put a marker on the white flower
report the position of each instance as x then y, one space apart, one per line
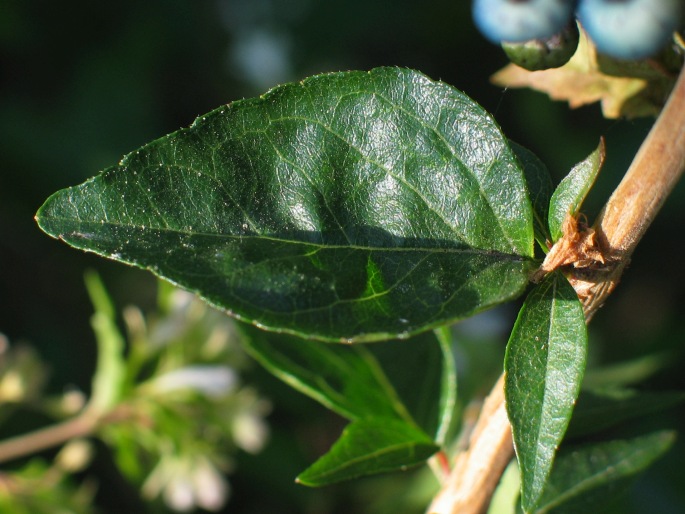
250 431
211 490
178 494
210 380
186 483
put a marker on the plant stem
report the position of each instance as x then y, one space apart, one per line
651 177
44 438
470 485
630 210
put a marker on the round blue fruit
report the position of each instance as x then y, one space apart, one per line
515 21
630 29
543 54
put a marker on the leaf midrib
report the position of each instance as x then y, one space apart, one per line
452 228
375 454
318 246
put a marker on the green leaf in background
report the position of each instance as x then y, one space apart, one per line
345 379
422 371
630 372
572 190
350 206
586 477
110 372
506 498
544 366
370 446
602 409
39 487
540 190
448 385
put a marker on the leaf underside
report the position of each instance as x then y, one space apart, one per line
345 379
351 206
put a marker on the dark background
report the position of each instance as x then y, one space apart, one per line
82 83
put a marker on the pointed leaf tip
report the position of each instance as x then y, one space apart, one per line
350 206
544 366
370 446
569 195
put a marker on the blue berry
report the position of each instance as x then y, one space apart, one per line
630 29
515 21
543 54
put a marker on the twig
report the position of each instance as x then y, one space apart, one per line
653 174
86 423
44 438
626 216
470 486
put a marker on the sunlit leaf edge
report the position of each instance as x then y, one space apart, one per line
550 313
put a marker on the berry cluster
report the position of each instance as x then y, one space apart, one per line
624 29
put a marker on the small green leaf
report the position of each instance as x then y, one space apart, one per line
586 477
370 446
602 409
110 371
544 366
350 206
448 384
540 190
346 379
572 190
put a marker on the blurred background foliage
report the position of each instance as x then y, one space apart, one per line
82 83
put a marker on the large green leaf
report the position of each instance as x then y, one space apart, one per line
345 379
370 446
349 206
586 477
544 366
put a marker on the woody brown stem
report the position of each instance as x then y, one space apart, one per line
630 210
85 424
48 437
650 179
654 172
476 471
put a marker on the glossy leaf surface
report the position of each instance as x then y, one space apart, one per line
586 477
369 446
540 190
572 190
544 366
350 206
